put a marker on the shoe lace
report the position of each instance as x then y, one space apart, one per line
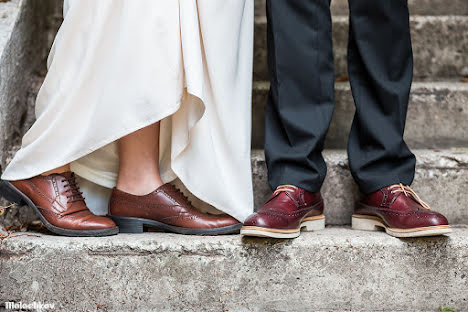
285 188
408 191
186 199
73 190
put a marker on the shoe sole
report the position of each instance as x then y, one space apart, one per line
15 196
310 224
138 225
370 223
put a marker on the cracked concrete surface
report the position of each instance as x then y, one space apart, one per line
332 270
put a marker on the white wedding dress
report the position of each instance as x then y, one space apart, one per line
117 66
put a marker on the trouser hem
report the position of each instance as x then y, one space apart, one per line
370 187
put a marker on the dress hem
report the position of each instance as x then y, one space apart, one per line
71 159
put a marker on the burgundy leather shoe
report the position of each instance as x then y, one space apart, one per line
400 211
58 202
288 210
169 210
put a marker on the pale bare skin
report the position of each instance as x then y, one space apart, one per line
138 162
58 170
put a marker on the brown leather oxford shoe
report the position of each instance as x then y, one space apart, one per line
288 210
59 204
400 211
169 210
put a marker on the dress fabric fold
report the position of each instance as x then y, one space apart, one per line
117 66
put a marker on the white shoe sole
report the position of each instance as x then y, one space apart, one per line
370 223
310 224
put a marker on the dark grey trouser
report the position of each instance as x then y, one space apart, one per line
301 100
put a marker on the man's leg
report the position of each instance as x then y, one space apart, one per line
380 62
299 111
381 72
300 104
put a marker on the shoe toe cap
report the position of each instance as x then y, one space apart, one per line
257 219
100 223
226 220
435 219
425 219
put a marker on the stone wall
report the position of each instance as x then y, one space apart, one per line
22 62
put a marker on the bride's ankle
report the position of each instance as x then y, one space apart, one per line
138 185
59 170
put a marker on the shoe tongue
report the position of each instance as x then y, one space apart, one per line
393 196
284 196
282 202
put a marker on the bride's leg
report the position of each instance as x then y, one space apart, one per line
59 170
141 200
139 161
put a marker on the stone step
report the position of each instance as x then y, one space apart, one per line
440 46
437 115
441 180
417 7
337 269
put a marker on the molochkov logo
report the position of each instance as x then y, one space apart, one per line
36 306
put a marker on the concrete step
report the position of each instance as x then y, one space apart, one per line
440 46
441 180
437 115
417 7
337 269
